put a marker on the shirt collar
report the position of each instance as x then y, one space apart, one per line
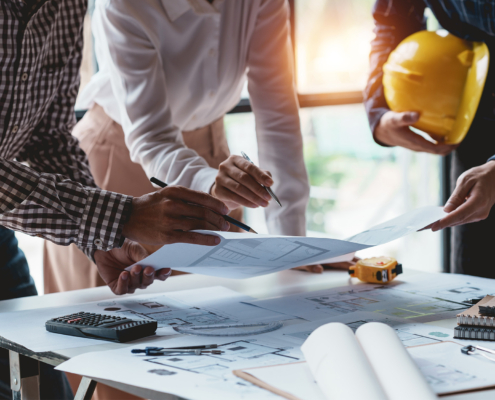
176 8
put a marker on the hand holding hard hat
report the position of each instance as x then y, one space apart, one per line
393 130
441 78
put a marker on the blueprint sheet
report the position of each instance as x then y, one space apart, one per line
443 365
210 376
383 299
208 306
245 255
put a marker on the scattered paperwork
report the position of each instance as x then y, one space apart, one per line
373 364
210 376
206 306
245 255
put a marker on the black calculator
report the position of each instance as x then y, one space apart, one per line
103 327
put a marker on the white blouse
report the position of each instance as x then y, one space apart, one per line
173 65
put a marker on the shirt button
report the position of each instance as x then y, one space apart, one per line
15 129
24 77
98 242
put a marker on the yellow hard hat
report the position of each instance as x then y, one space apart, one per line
441 77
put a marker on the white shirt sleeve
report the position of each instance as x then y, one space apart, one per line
273 97
139 83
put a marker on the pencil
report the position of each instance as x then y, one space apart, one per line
231 220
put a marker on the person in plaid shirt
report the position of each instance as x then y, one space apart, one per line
46 187
471 174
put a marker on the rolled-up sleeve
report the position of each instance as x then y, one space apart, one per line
394 21
273 97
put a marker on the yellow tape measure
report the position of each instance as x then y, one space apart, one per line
376 269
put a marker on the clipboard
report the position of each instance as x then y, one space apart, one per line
244 374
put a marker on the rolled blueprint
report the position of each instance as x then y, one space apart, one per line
399 376
339 365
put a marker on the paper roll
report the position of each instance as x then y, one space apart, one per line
339 365
397 373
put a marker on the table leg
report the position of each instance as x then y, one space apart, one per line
24 377
86 389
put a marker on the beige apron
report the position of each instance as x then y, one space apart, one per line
66 267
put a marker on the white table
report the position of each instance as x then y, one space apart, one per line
24 363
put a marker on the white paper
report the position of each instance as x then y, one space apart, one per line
192 377
400 226
339 364
397 373
383 299
246 255
209 306
447 370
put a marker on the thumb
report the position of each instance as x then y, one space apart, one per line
135 251
406 118
457 198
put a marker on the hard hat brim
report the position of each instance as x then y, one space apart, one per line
473 89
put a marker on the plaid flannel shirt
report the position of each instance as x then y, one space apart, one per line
397 19
55 196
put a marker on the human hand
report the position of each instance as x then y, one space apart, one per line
393 130
319 268
166 216
238 183
472 199
112 264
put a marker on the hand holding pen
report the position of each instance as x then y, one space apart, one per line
227 218
170 214
241 183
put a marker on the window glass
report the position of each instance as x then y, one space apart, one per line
332 44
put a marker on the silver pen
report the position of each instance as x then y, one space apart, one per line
270 192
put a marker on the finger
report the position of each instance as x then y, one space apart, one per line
403 119
122 283
229 195
255 193
415 142
339 265
148 277
195 197
243 192
316 269
258 174
202 214
460 216
195 238
135 280
458 196
163 274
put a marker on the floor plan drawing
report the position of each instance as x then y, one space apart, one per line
409 334
242 351
384 300
253 252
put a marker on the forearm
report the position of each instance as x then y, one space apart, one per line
60 210
394 21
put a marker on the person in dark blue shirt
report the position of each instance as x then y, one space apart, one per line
472 20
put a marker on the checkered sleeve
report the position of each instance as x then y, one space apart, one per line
57 198
56 208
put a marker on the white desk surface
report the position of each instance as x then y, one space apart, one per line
282 283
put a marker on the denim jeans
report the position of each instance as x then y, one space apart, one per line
15 282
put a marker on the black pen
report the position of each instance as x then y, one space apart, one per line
233 221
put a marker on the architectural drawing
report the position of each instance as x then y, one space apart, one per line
385 300
242 351
254 252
